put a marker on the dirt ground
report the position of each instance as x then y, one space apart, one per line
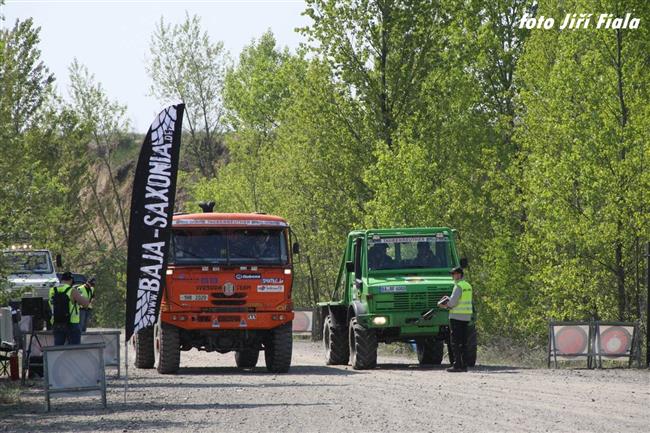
210 395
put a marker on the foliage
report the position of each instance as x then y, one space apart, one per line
186 66
532 143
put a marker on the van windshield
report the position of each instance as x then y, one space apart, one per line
27 262
232 246
410 252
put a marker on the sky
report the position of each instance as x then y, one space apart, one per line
111 37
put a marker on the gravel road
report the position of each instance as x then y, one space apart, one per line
210 395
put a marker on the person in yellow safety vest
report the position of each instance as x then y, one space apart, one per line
87 289
460 314
65 324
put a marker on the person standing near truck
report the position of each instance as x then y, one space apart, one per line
64 303
87 289
460 314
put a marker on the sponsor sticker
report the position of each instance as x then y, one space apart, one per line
242 324
193 297
252 316
208 280
248 276
228 289
215 323
403 240
270 288
272 280
392 289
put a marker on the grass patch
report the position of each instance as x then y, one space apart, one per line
507 352
9 393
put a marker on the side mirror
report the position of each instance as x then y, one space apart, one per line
464 262
296 248
349 266
59 261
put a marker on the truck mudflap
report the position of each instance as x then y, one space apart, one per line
230 320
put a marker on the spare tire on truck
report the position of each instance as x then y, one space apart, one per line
277 349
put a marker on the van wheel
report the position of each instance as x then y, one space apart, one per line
430 351
337 350
277 349
143 341
247 358
168 348
363 346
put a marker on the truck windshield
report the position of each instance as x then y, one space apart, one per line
27 262
411 252
214 246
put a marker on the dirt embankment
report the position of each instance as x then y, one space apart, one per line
209 394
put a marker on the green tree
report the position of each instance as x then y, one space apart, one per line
106 123
187 66
380 51
41 143
586 132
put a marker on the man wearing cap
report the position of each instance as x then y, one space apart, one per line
87 289
69 332
460 314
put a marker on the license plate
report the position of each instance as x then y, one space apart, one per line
193 297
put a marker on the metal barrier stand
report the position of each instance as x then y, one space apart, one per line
101 382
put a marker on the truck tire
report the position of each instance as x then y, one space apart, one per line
168 348
277 350
363 346
335 342
144 356
247 358
471 348
430 351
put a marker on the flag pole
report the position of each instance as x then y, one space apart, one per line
126 368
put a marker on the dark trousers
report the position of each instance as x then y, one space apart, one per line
459 341
84 318
70 334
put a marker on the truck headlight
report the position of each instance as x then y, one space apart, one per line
379 320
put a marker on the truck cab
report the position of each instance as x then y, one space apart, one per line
228 288
388 287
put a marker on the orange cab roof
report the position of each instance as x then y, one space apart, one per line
215 219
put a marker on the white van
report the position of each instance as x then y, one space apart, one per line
31 270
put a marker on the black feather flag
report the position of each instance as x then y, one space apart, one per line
152 208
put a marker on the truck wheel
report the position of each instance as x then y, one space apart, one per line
472 344
363 346
168 348
247 358
144 356
277 350
430 351
337 350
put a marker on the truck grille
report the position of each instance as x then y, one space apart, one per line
418 301
238 298
228 310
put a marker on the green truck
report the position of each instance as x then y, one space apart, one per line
387 290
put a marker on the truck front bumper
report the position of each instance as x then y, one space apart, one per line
239 320
407 324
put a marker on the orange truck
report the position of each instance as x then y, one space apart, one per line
228 288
